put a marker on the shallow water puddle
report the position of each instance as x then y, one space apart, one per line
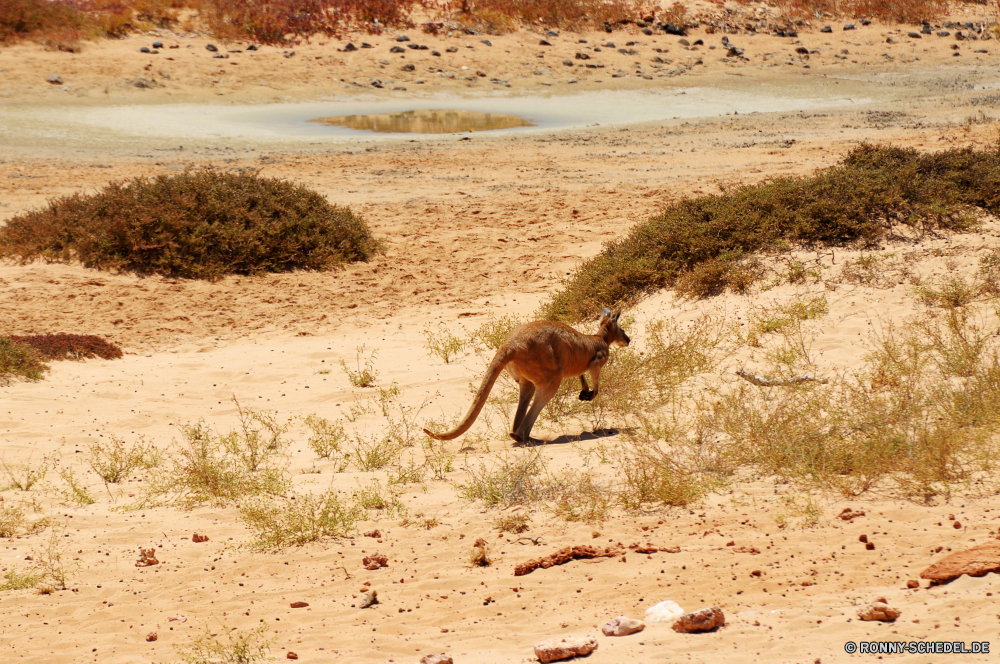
427 121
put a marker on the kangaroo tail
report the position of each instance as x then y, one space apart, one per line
500 361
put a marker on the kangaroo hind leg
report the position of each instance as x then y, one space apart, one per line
543 395
527 391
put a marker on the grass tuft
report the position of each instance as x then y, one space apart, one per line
202 225
19 361
702 245
299 520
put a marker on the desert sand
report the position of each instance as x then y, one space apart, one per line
476 226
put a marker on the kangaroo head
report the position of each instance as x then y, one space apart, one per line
610 330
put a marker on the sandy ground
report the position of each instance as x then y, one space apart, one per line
474 228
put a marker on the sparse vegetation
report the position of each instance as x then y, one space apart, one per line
696 244
219 469
76 492
114 461
442 343
24 478
491 334
237 646
480 556
19 361
71 346
300 519
364 376
509 479
951 292
14 520
384 500
328 440
201 225
512 522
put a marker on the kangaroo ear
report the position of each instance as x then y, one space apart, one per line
615 316
605 312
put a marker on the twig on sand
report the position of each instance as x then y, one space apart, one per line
779 382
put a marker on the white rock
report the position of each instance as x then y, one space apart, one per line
667 611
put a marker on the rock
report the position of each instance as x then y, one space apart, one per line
565 555
914 35
451 49
647 31
147 558
879 611
436 53
437 658
865 21
912 583
826 28
157 44
144 49
199 538
55 79
485 41
672 29
565 648
369 598
582 56
251 47
957 525
151 637
622 626
944 33
684 42
480 73
850 26
291 655
568 62
977 561
299 605
544 43
700 621
402 38
666 611
211 47
870 546
397 49
177 619
805 51
409 68
890 40
350 48
863 538
551 33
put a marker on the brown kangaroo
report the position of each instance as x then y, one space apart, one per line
538 356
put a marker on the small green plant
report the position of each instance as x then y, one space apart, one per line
580 497
300 519
409 473
373 453
114 461
515 521
25 477
491 334
364 376
507 480
805 510
437 459
52 563
384 500
328 440
215 468
75 492
443 343
951 292
14 520
237 646
15 580
19 361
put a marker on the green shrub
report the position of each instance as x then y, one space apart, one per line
200 225
304 518
701 244
19 360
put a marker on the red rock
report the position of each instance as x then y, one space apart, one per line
199 538
957 525
848 514
870 546
977 561
879 611
565 648
437 658
622 626
151 636
291 655
147 558
752 550
374 533
564 556
912 583
375 561
703 620
863 538
299 605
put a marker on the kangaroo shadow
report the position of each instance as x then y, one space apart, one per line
574 438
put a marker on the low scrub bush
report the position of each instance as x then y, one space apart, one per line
895 11
238 646
201 225
20 361
71 346
219 469
41 20
362 376
702 243
499 16
298 520
328 440
506 481
114 461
